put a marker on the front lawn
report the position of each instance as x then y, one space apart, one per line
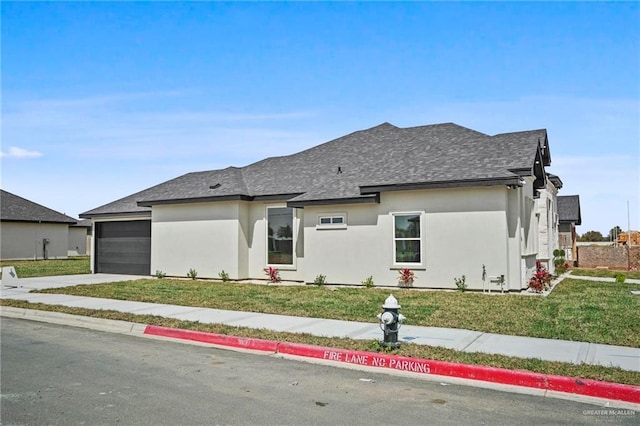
576 310
50 267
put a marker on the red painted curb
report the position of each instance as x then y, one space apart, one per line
586 387
216 339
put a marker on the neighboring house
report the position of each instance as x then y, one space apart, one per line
31 231
80 238
569 218
442 200
626 236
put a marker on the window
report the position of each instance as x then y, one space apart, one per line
332 221
407 238
280 236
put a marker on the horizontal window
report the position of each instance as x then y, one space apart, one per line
332 221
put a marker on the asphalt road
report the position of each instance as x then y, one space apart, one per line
63 375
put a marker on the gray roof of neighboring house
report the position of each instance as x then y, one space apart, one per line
83 223
17 209
569 209
356 167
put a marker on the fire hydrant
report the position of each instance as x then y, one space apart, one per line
390 322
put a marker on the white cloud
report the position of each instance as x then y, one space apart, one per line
15 152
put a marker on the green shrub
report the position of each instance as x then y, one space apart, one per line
193 274
620 278
320 280
368 283
461 283
559 262
160 274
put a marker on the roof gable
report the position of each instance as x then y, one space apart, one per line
17 209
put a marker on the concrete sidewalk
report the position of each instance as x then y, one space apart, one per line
462 340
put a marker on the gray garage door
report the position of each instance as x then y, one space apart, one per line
123 247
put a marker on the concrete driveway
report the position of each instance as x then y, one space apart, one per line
38 283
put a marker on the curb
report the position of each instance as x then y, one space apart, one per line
539 381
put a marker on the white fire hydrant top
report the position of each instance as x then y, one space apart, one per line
391 303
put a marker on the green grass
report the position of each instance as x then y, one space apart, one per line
604 273
577 310
47 268
585 371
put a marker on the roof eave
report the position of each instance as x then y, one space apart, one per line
515 180
59 222
114 214
235 197
372 198
276 197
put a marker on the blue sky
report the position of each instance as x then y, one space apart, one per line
101 100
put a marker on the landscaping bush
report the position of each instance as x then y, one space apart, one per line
406 278
461 283
320 280
193 274
368 283
273 273
541 280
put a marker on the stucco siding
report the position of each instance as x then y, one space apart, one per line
23 240
244 240
78 240
202 236
547 223
257 255
348 255
513 277
462 230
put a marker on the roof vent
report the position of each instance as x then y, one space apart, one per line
216 186
339 170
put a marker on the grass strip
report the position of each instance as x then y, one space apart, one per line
609 374
49 267
604 273
577 310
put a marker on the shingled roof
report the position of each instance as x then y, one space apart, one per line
358 166
569 209
17 209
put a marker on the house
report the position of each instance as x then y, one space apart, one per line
626 236
569 218
442 200
80 238
31 231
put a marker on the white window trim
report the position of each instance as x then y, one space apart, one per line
294 229
411 265
332 216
